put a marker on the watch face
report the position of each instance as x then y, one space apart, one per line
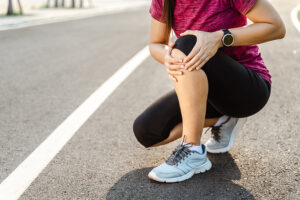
228 39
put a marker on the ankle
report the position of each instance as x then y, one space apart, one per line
196 147
192 140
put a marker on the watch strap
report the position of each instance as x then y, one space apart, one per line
226 31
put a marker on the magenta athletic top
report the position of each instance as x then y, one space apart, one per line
213 15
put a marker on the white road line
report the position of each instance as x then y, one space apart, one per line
21 178
77 16
294 17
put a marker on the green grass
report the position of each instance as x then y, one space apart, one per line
14 14
45 6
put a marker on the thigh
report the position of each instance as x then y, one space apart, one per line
234 89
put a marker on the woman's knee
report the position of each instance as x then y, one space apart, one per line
140 132
185 43
183 46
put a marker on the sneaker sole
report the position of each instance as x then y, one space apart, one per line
203 168
236 129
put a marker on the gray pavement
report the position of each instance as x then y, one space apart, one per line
47 71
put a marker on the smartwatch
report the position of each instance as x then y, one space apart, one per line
227 38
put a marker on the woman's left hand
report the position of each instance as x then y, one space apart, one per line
206 47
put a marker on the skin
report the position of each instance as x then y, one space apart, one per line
189 80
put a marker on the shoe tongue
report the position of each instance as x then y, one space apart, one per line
177 154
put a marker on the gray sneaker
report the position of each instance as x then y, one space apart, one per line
223 136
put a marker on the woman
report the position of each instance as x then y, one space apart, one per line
218 74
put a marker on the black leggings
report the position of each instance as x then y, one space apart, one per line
234 90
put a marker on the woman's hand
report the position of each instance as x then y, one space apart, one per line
206 47
173 65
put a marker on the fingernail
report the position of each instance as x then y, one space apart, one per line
190 69
182 66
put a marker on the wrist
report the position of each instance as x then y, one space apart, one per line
219 35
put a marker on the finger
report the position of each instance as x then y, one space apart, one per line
195 59
199 56
204 57
173 60
195 66
170 58
173 78
174 72
191 54
203 63
188 32
201 60
175 67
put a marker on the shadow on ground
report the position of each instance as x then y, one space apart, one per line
214 184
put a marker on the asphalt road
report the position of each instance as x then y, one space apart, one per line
48 71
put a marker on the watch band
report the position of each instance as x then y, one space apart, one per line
227 33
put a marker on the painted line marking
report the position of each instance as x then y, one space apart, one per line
294 17
21 178
77 16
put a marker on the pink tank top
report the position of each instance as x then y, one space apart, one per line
213 15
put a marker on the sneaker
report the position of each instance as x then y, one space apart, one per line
223 136
182 164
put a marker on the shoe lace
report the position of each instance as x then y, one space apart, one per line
216 130
179 153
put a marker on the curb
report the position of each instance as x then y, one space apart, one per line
41 21
294 17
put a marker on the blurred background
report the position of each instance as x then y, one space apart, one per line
83 66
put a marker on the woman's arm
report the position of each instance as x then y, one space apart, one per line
267 25
159 39
161 51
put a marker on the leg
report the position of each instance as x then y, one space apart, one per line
156 125
192 104
192 91
187 160
222 69
176 132
160 122
230 84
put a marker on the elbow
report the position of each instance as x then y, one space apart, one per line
281 30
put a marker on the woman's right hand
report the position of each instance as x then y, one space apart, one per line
173 65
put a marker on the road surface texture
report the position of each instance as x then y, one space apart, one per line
48 71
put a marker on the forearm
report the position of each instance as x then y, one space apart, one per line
255 33
158 51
